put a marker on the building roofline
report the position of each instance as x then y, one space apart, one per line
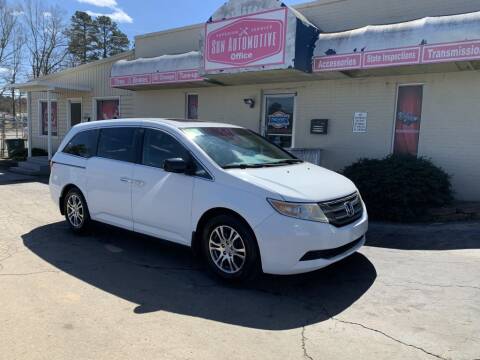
169 31
88 65
200 25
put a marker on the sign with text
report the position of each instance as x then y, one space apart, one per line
319 126
422 54
158 78
360 122
469 50
338 62
395 57
252 40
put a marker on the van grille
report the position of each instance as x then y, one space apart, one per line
344 211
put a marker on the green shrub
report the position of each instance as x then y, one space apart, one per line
39 152
400 188
22 154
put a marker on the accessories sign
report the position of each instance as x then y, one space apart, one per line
252 40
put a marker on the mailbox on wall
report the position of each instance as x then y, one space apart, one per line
319 126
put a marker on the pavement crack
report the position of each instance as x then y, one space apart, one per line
304 339
31 273
389 337
346 322
433 285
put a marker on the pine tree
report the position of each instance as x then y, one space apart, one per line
110 39
82 38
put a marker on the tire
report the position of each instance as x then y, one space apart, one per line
76 211
230 249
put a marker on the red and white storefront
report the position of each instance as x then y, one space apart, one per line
331 97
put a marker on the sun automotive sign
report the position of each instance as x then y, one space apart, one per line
247 41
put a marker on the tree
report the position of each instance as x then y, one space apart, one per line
82 38
15 64
110 39
8 22
46 37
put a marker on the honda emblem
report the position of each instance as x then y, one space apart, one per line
349 208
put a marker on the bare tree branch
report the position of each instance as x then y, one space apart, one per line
47 43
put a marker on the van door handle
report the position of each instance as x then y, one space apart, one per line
139 183
126 180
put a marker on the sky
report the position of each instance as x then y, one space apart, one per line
137 17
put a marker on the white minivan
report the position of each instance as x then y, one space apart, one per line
243 203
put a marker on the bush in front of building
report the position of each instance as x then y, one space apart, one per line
400 187
22 154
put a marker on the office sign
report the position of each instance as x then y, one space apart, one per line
247 41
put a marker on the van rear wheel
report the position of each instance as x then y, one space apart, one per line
76 211
230 248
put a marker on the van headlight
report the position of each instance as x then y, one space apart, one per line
310 212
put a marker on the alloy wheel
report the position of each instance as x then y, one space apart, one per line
75 211
227 249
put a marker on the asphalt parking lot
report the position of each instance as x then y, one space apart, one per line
412 293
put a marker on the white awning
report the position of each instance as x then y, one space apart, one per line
426 41
161 70
43 85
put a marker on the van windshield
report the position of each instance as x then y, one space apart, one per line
240 148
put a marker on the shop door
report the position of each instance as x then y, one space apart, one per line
279 117
75 113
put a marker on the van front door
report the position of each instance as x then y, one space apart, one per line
279 117
162 201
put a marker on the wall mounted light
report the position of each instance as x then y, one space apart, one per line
250 102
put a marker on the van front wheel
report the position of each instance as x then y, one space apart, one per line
230 248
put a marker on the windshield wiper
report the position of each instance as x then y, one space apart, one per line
285 162
262 165
244 166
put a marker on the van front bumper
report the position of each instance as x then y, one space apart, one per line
292 246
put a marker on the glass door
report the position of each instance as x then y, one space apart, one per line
408 119
279 118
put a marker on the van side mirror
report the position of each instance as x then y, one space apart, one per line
175 165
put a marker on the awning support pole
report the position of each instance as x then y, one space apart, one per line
29 123
49 126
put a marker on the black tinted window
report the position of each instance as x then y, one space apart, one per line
83 144
159 146
117 144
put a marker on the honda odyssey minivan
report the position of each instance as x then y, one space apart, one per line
240 201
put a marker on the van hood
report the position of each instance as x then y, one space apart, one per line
298 183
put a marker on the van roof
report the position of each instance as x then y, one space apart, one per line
170 122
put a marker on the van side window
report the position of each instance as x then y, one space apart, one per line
118 144
159 146
83 144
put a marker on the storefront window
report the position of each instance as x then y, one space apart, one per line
108 109
279 119
408 119
44 114
192 106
